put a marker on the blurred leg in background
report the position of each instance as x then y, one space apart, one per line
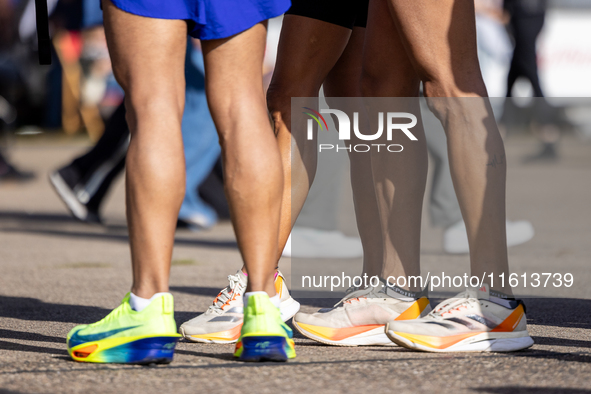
526 23
11 89
83 184
201 144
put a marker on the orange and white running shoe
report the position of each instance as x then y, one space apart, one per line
222 321
359 318
472 321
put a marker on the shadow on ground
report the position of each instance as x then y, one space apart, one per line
49 224
543 312
24 308
555 312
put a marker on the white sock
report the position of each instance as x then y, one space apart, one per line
139 303
275 299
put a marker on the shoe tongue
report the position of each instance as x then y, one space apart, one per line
225 294
475 293
402 294
356 293
480 293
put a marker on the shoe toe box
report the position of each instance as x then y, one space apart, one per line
321 320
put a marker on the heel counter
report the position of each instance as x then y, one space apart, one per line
261 315
522 325
281 287
169 324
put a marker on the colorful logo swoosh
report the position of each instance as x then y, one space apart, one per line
318 115
77 339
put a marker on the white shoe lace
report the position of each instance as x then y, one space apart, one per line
225 294
354 292
463 299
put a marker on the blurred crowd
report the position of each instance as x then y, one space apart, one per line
78 90
76 93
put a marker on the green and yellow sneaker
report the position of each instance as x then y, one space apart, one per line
264 335
127 336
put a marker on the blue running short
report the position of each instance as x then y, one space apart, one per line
208 19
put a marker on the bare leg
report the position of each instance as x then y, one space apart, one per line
344 80
293 77
399 177
440 39
252 165
149 59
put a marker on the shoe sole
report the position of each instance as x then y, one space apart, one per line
265 348
372 337
134 350
482 342
288 310
77 209
214 337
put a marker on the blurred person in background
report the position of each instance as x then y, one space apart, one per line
80 45
525 24
83 184
13 89
81 91
494 45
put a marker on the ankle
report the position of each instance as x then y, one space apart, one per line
267 286
148 291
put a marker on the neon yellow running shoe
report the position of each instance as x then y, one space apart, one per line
127 336
264 335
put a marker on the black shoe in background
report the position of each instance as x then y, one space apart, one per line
64 182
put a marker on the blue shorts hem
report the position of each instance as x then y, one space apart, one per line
209 21
235 30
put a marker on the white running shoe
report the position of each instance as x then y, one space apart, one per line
222 321
307 242
359 318
469 322
455 238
